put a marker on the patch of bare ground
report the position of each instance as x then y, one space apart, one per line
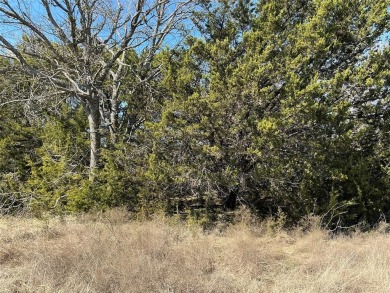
112 254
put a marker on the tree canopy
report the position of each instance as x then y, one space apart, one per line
279 106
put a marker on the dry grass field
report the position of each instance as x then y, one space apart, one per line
111 254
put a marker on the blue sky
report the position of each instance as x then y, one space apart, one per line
13 33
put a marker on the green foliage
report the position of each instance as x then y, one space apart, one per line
60 165
285 117
281 106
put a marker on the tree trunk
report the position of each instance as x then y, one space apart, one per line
94 128
113 121
114 103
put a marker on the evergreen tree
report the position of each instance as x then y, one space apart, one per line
290 115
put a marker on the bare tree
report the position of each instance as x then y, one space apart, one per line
78 48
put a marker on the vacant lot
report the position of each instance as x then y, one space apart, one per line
111 254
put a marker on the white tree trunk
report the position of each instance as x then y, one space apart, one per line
94 132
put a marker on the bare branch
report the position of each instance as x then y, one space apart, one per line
11 48
61 33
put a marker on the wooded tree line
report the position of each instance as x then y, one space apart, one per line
196 107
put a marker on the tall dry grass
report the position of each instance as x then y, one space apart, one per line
112 254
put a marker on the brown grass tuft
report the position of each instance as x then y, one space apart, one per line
109 253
